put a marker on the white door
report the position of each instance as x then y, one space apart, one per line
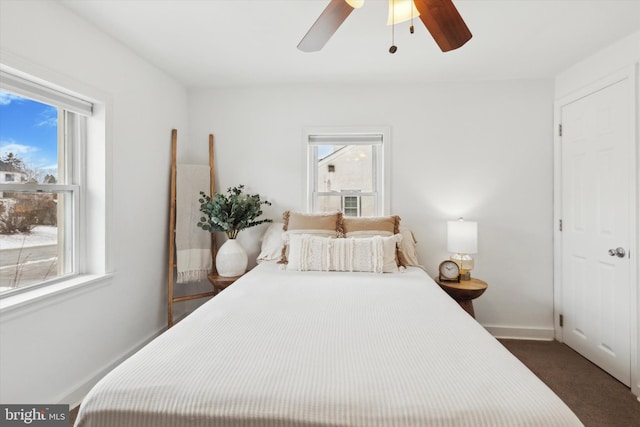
597 180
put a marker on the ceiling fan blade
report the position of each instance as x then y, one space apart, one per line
327 23
444 23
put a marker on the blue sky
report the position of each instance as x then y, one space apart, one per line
29 129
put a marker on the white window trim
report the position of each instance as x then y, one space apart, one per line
383 185
95 223
44 293
29 88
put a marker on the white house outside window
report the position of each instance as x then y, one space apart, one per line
347 170
43 133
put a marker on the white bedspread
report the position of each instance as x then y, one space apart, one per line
285 348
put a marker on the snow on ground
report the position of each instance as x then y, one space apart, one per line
41 235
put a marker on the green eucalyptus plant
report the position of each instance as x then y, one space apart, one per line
232 212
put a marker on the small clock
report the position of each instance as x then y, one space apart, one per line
449 271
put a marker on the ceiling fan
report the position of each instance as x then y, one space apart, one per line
440 17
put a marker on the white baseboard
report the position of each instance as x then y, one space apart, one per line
539 334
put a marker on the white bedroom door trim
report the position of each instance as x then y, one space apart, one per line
631 75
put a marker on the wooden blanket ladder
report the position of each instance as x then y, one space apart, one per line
172 231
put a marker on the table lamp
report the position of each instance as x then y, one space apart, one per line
462 240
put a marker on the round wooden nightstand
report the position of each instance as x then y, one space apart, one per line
220 283
464 292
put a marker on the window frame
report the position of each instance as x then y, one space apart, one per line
73 114
352 135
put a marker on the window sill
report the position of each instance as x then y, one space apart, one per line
47 293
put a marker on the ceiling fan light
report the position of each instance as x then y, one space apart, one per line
400 11
356 4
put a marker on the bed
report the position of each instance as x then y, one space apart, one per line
316 348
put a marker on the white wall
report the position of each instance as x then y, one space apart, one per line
51 351
480 150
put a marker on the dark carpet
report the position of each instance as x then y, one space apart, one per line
595 397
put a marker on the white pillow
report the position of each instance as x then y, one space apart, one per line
272 243
304 249
376 254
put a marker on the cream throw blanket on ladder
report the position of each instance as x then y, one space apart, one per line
193 244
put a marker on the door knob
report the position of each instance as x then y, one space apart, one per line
619 252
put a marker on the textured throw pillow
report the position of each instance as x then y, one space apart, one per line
318 224
272 243
375 254
307 252
371 226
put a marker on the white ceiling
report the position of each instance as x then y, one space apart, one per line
213 43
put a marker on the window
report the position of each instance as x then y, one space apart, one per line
43 137
351 205
346 170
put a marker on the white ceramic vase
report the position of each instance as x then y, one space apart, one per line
231 259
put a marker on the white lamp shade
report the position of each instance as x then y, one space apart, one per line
400 11
356 4
462 237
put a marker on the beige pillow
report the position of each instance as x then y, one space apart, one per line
371 226
327 224
375 254
407 249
